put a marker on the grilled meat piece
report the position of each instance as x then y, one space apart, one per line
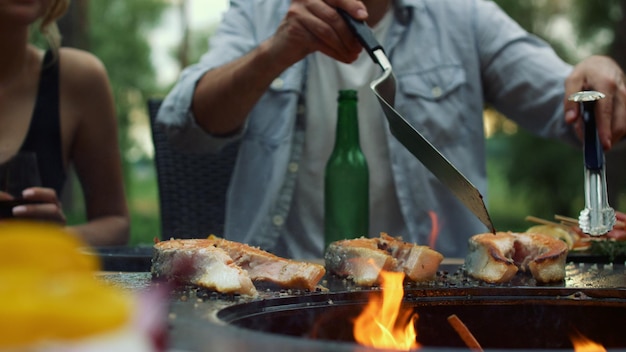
359 260
263 266
497 258
419 263
230 267
199 262
362 259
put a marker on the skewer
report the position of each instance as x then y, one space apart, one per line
464 333
544 222
573 222
566 220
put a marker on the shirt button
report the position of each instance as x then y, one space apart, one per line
436 92
278 83
293 167
278 220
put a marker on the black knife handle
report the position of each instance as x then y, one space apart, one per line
593 148
363 33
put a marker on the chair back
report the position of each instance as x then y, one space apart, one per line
192 187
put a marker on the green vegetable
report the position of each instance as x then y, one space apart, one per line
608 248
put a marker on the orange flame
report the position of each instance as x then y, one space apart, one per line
383 323
434 232
583 344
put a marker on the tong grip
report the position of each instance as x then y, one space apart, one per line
593 149
364 34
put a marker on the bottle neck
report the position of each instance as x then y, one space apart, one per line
347 135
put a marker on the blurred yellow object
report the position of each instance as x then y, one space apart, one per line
49 290
554 231
44 246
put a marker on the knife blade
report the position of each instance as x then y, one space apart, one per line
384 88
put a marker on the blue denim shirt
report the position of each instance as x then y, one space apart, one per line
450 58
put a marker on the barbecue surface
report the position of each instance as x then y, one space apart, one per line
199 318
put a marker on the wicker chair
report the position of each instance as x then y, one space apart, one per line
192 187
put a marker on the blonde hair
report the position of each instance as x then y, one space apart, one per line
48 26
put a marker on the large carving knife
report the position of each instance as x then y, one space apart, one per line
385 89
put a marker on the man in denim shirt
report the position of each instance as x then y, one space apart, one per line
271 79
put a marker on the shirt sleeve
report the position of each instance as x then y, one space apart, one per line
233 38
523 76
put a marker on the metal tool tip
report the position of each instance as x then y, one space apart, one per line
586 95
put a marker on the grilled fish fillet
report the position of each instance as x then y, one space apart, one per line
362 259
219 264
198 262
263 266
497 258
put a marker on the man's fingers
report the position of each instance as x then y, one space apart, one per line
333 35
604 75
619 126
573 84
619 111
354 8
604 117
315 25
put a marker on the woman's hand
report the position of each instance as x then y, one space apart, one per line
45 205
5 196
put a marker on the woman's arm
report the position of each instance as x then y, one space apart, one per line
93 149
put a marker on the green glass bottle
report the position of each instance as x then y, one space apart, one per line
346 179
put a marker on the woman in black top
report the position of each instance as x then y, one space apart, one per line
58 103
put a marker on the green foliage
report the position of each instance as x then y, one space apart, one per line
610 249
593 16
552 183
118 36
199 43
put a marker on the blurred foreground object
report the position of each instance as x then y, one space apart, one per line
52 300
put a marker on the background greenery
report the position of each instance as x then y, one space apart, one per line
527 175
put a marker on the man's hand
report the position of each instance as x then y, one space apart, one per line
602 74
224 96
315 25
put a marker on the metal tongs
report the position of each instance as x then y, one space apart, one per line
384 88
597 218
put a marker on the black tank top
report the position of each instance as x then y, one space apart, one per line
44 133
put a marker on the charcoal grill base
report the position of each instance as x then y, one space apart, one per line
498 322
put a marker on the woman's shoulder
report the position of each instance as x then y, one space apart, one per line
79 67
82 72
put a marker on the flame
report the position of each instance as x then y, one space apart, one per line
434 232
583 344
383 323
